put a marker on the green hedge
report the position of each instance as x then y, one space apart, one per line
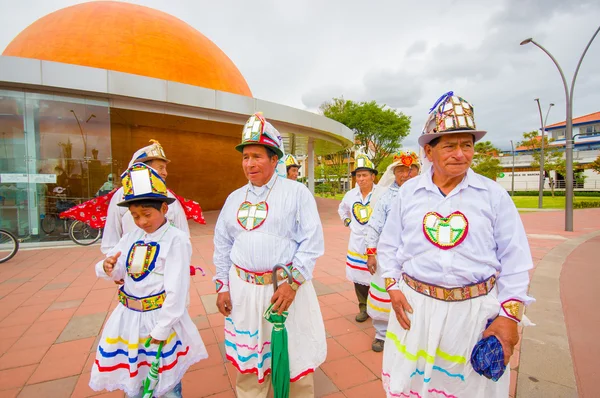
586 205
557 193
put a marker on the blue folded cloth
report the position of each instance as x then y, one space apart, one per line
487 357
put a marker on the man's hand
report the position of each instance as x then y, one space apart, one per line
372 264
283 298
506 331
224 303
120 282
109 263
401 307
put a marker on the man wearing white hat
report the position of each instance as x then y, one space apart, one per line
355 211
119 220
456 259
405 165
269 221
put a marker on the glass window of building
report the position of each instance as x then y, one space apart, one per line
55 154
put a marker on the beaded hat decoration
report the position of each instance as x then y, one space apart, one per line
363 163
257 131
406 158
148 153
450 114
290 161
142 182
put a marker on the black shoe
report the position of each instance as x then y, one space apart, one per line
362 316
377 345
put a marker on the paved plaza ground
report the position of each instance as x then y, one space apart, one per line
52 308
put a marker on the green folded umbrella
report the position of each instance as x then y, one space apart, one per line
280 359
152 378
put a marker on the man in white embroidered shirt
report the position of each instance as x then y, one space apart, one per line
456 259
270 221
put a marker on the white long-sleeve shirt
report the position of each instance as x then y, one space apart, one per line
380 214
171 273
120 222
496 242
291 233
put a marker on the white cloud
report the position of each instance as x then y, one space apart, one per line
404 54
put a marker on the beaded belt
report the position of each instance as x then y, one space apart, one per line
451 294
259 278
143 304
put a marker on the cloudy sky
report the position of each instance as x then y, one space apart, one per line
401 53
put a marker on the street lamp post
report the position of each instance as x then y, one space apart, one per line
569 127
512 182
542 156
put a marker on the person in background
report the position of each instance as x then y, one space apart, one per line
355 211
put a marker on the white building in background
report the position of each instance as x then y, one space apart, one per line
586 149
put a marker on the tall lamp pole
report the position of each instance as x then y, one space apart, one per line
542 156
569 127
512 182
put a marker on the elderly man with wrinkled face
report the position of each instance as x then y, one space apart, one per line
455 258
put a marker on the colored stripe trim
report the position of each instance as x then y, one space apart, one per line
380 309
422 353
249 357
379 299
356 267
116 340
266 372
355 260
439 369
411 392
124 365
241 331
359 255
379 289
151 354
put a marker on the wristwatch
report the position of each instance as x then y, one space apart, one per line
294 286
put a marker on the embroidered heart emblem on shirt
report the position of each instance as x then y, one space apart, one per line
361 212
251 216
445 232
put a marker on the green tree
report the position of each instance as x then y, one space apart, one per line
377 128
596 165
553 157
332 175
485 161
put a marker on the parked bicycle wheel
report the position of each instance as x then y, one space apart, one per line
9 245
83 234
48 223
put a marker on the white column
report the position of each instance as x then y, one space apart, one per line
310 172
31 161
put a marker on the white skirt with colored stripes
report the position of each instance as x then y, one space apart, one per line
356 266
432 359
248 334
122 360
378 302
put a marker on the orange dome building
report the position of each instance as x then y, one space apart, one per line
83 88
132 39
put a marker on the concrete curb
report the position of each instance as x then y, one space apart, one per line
546 366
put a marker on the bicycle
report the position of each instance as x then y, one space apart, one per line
9 245
83 234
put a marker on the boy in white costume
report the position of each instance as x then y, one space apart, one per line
153 261
271 220
355 211
405 166
456 259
